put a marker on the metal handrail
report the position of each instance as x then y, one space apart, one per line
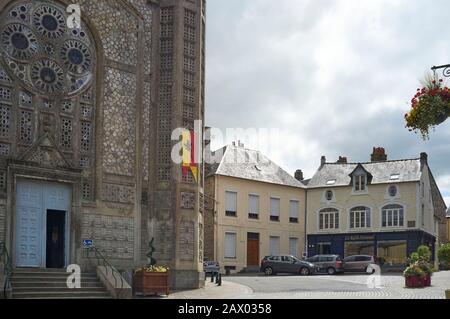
102 261
8 268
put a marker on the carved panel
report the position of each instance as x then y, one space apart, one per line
186 240
113 236
187 200
118 193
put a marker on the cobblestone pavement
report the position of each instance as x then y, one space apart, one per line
317 287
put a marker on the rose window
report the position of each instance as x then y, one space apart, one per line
43 53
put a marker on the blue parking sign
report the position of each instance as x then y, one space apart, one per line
87 243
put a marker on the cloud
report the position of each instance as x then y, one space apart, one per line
334 77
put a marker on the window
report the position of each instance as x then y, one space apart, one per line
274 209
230 245
393 216
331 182
293 246
231 204
393 252
324 249
328 219
329 195
360 182
253 206
395 177
294 207
360 217
274 245
392 191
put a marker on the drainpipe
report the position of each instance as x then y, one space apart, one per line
306 222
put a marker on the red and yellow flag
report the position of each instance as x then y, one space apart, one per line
189 154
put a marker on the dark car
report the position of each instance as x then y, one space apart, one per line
211 267
329 264
271 265
358 263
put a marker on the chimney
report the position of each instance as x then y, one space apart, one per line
234 143
378 155
423 160
323 161
342 160
299 175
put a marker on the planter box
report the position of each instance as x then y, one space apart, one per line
427 281
414 282
151 283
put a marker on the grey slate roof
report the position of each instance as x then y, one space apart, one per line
244 163
409 171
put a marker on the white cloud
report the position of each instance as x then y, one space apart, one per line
335 76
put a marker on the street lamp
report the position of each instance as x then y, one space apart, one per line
446 69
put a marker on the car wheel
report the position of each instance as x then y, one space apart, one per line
331 271
268 271
304 271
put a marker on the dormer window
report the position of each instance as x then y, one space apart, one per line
395 177
360 183
360 179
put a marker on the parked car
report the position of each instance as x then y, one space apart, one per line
271 265
211 267
330 264
359 263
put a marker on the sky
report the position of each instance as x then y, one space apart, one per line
329 77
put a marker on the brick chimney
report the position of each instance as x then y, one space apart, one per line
342 160
323 161
379 155
299 175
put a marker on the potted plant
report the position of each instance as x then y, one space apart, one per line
152 279
429 107
414 276
420 270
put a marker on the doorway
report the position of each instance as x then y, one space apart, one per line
56 239
252 249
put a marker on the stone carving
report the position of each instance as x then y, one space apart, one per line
119 123
163 199
187 200
186 241
113 235
45 152
118 193
164 232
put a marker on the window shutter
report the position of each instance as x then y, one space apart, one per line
230 245
253 204
293 246
274 246
275 207
231 202
294 207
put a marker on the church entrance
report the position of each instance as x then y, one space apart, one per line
42 224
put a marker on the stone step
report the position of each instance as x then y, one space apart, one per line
50 274
46 270
60 289
84 284
15 279
61 294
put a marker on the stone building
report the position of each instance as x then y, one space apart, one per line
253 209
386 208
86 115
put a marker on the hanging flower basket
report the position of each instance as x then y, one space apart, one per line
429 107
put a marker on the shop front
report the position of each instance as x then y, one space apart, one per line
392 249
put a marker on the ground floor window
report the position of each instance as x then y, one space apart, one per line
274 245
393 252
359 248
324 248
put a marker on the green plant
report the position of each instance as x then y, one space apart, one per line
429 107
424 253
414 270
444 255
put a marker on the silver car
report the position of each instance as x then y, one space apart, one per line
358 263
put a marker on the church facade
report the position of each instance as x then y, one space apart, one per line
87 110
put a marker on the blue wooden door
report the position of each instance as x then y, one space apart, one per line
29 208
34 198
